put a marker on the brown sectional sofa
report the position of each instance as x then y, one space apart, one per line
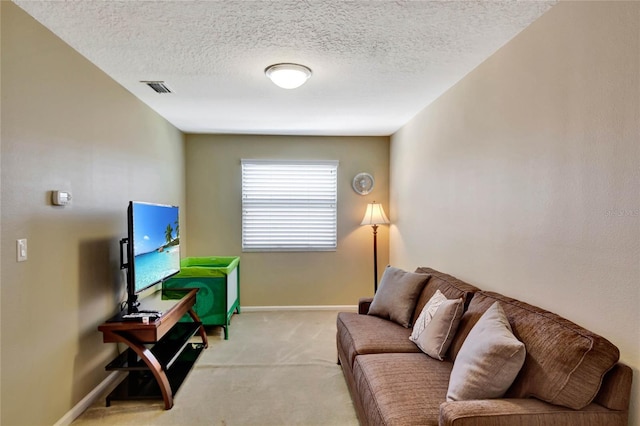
570 376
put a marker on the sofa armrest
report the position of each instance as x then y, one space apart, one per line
525 412
615 391
363 305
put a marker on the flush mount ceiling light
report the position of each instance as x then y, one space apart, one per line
288 76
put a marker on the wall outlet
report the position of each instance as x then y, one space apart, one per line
21 248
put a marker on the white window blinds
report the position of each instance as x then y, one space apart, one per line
289 205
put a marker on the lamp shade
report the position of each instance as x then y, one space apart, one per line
374 215
288 76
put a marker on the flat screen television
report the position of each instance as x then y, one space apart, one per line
153 249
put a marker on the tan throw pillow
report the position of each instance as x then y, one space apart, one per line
489 359
437 335
397 295
427 314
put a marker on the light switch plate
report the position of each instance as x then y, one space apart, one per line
21 248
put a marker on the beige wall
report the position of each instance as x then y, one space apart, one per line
278 279
66 125
524 177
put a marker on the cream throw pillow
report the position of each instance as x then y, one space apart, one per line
427 314
437 335
489 359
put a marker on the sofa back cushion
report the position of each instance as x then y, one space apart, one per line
565 363
450 286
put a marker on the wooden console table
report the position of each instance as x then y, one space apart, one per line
160 354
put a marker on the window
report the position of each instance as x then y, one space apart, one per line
289 205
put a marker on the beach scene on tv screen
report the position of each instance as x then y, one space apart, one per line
156 248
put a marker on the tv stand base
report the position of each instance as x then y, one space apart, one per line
156 371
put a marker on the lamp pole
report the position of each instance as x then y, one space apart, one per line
375 258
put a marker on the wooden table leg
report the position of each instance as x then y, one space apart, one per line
201 330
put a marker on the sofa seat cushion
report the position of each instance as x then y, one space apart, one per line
401 389
367 334
565 363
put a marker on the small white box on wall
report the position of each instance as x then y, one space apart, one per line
61 198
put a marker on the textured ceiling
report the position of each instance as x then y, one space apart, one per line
375 63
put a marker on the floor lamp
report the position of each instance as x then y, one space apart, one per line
375 216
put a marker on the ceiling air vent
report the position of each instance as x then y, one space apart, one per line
158 86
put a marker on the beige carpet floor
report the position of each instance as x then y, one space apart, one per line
277 368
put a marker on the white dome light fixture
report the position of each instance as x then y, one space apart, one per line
288 76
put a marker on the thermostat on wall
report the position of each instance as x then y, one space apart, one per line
61 198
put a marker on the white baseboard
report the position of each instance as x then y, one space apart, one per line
110 382
347 308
